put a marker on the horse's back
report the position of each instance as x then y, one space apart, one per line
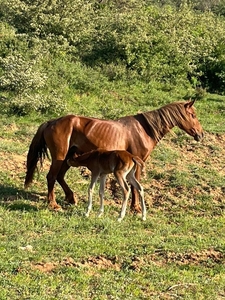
125 133
87 133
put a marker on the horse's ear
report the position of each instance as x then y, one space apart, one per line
189 103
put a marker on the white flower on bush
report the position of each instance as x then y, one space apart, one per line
20 75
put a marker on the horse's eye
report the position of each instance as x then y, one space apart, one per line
193 116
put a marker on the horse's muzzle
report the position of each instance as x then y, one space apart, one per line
199 136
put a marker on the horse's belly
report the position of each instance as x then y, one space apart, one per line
109 140
105 134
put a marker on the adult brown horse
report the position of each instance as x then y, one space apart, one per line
137 134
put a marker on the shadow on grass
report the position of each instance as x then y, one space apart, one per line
19 199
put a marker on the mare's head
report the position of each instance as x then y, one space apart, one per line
190 124
181 114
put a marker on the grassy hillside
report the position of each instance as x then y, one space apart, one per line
178 253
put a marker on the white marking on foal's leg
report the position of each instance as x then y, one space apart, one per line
87 213
123 210
101 194
143 207
140 189
90 193
89 207
126 193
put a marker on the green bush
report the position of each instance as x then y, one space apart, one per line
20 75
25 104
76 47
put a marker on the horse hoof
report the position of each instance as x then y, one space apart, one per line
55 207
72 200
136 209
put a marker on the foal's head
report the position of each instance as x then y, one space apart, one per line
81 160
72 161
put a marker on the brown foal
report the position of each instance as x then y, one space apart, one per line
120 162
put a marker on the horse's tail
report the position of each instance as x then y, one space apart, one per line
37 152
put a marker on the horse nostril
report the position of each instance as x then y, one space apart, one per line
198 137
201 135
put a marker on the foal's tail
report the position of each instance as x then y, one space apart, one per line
37 152
139 162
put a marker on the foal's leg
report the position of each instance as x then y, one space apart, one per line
101 193
135 204
94 178
121 178
133 181
69 195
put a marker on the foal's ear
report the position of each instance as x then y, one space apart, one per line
189 104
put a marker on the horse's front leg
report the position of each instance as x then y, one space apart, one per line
135 203
51 179
69 195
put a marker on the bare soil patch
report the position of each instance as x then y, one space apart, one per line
207 257
93 262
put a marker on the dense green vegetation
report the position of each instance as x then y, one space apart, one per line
55 54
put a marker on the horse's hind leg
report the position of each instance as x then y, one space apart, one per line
51 179
57 139
69 195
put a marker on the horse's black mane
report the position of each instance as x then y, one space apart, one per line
167 116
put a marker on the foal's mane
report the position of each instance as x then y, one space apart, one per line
165 118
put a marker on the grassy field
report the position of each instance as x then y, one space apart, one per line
178 253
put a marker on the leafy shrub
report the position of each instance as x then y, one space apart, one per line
25 104
19 75
85 47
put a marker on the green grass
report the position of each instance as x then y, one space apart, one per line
102 259
178 253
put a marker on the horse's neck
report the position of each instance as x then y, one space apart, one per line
157 126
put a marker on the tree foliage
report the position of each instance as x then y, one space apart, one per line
47 44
